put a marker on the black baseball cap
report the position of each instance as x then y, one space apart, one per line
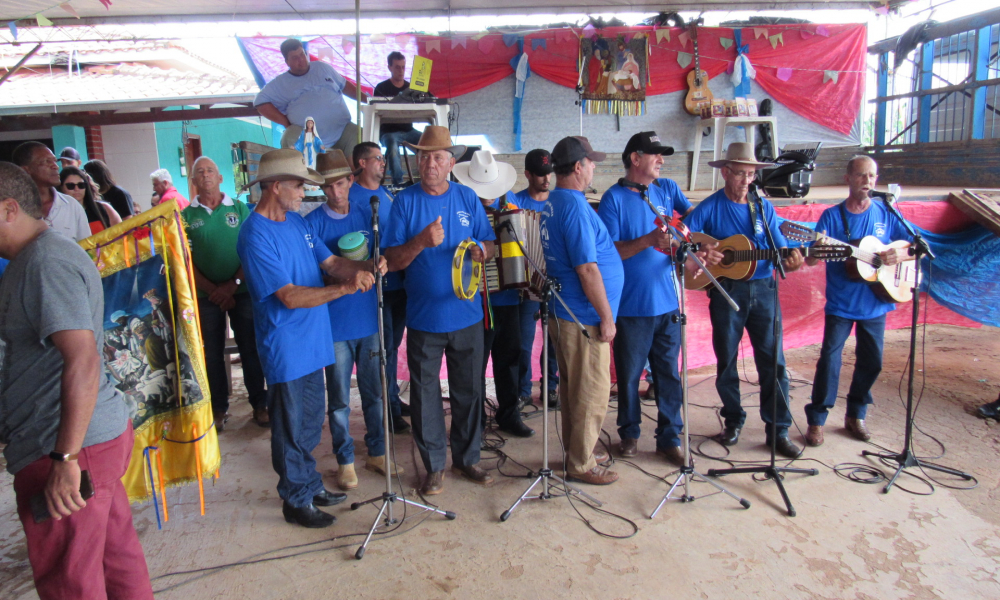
570 150
70 153
538 162
646 142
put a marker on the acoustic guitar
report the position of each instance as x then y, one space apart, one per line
740 256
697 79
890 283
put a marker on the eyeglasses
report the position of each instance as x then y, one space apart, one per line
748 175
75 186
377 157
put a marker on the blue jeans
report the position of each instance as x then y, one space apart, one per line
296 425
391 141
867 366
658 339
528 310
393 324
338 394
213 335
758 308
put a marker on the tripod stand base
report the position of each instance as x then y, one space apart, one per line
685 476
387 499
544 477
907 459
770 472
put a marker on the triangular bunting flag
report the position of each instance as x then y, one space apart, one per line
66 7
433 46
459 41
107 4
537 43
662 33
822 30
684 59
347 44
774 39
325 53
486 44
684 38
831 76
42 21
377 38
12 25
509 39
759 32
882 10
727 43
784 74
589 31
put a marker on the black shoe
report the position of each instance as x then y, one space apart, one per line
553 400
524 401
785 447
328 498
729 436
516 428
400 426
404 409
990 410
307 516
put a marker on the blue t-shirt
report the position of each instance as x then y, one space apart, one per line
356 315
317 94
291 342
431 303
573 235
524 200
673 191
506 297
845 297
649 275
720 217
363 196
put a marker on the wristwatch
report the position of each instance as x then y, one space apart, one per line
60 457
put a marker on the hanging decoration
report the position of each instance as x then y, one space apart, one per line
522 71
614 75
726 43
833 76
776 39
68 8
12 25
662 34
459 41
743 71
433 46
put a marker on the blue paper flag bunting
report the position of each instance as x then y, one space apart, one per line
538 43
509 39
12 25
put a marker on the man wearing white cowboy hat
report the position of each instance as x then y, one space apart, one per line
285 265
427 224
354 321
492 180
727 212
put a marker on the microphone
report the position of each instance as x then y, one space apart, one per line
374 205
626 183
887 196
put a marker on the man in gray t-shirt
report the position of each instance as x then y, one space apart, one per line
59 414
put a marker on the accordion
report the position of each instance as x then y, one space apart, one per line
519 263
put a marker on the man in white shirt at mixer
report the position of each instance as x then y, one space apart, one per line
853 303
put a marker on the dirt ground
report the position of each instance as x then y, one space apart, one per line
848 539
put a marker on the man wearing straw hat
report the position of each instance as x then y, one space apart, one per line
491 180
285 265
727 212
354 321
428 223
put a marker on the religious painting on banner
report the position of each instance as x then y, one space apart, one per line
153 349
614 72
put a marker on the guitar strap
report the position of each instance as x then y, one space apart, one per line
843 218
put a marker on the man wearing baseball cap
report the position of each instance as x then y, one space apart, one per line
580 255
69 157
285 262
727 212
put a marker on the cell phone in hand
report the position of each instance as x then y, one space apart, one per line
39 508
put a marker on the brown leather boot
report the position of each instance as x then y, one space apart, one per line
629 448
857 428
433 484
814 435
595 476
475 474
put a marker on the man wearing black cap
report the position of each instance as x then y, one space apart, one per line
580 255
69 157
647 317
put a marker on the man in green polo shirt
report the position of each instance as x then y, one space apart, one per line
213 222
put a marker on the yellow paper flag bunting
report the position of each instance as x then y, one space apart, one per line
684 59
42 21
726 42
774 39
662 33
833 76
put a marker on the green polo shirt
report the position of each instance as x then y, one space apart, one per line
212 235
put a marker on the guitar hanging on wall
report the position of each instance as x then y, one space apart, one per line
697 79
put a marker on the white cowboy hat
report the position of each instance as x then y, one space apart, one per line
486 176
283 165
740 153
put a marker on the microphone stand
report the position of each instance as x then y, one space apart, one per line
388 497
771 471
907 458
686 474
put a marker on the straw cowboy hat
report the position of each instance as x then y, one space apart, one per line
485 175
436 137
740 153
332 165
284 165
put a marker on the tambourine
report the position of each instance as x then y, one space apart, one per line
465 272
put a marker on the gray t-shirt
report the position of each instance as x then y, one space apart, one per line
51 286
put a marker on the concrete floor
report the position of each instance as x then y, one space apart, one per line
848 540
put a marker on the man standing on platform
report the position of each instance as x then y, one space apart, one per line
213 222
428 223
285 265
580 255
354 321
648 323
730 211
62 213
370 167
391 135
853 304
64 425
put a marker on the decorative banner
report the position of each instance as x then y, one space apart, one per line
662 33
377 38
486 44
684 38
822 30
522 70
42 21
590 31
153 349
563 35
432 46
784 74
759 32
459 41
346 42
509 39
420 75
831 76
684 59
774 39
614 75
107 4
66 7
12 25
537 43
726 42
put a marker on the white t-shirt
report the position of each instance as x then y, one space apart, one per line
67 217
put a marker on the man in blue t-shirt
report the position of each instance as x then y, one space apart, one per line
852 304
285 266
309 89
427 224
581 257
354 323
370 165
648 323
729 212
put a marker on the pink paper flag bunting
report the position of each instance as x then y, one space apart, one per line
822 30
784 74
433 46
486 44
459 41
589 30
882 10
346 44
66 7
662 33
684 38
759 32
377 38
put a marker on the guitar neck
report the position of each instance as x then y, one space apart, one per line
864 256
758 254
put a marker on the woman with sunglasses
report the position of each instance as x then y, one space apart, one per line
78 184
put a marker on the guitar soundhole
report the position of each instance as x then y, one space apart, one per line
728 257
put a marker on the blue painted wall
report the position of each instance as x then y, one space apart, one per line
70 135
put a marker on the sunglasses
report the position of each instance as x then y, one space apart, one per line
75 186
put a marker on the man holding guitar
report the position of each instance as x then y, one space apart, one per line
725 213
853 303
